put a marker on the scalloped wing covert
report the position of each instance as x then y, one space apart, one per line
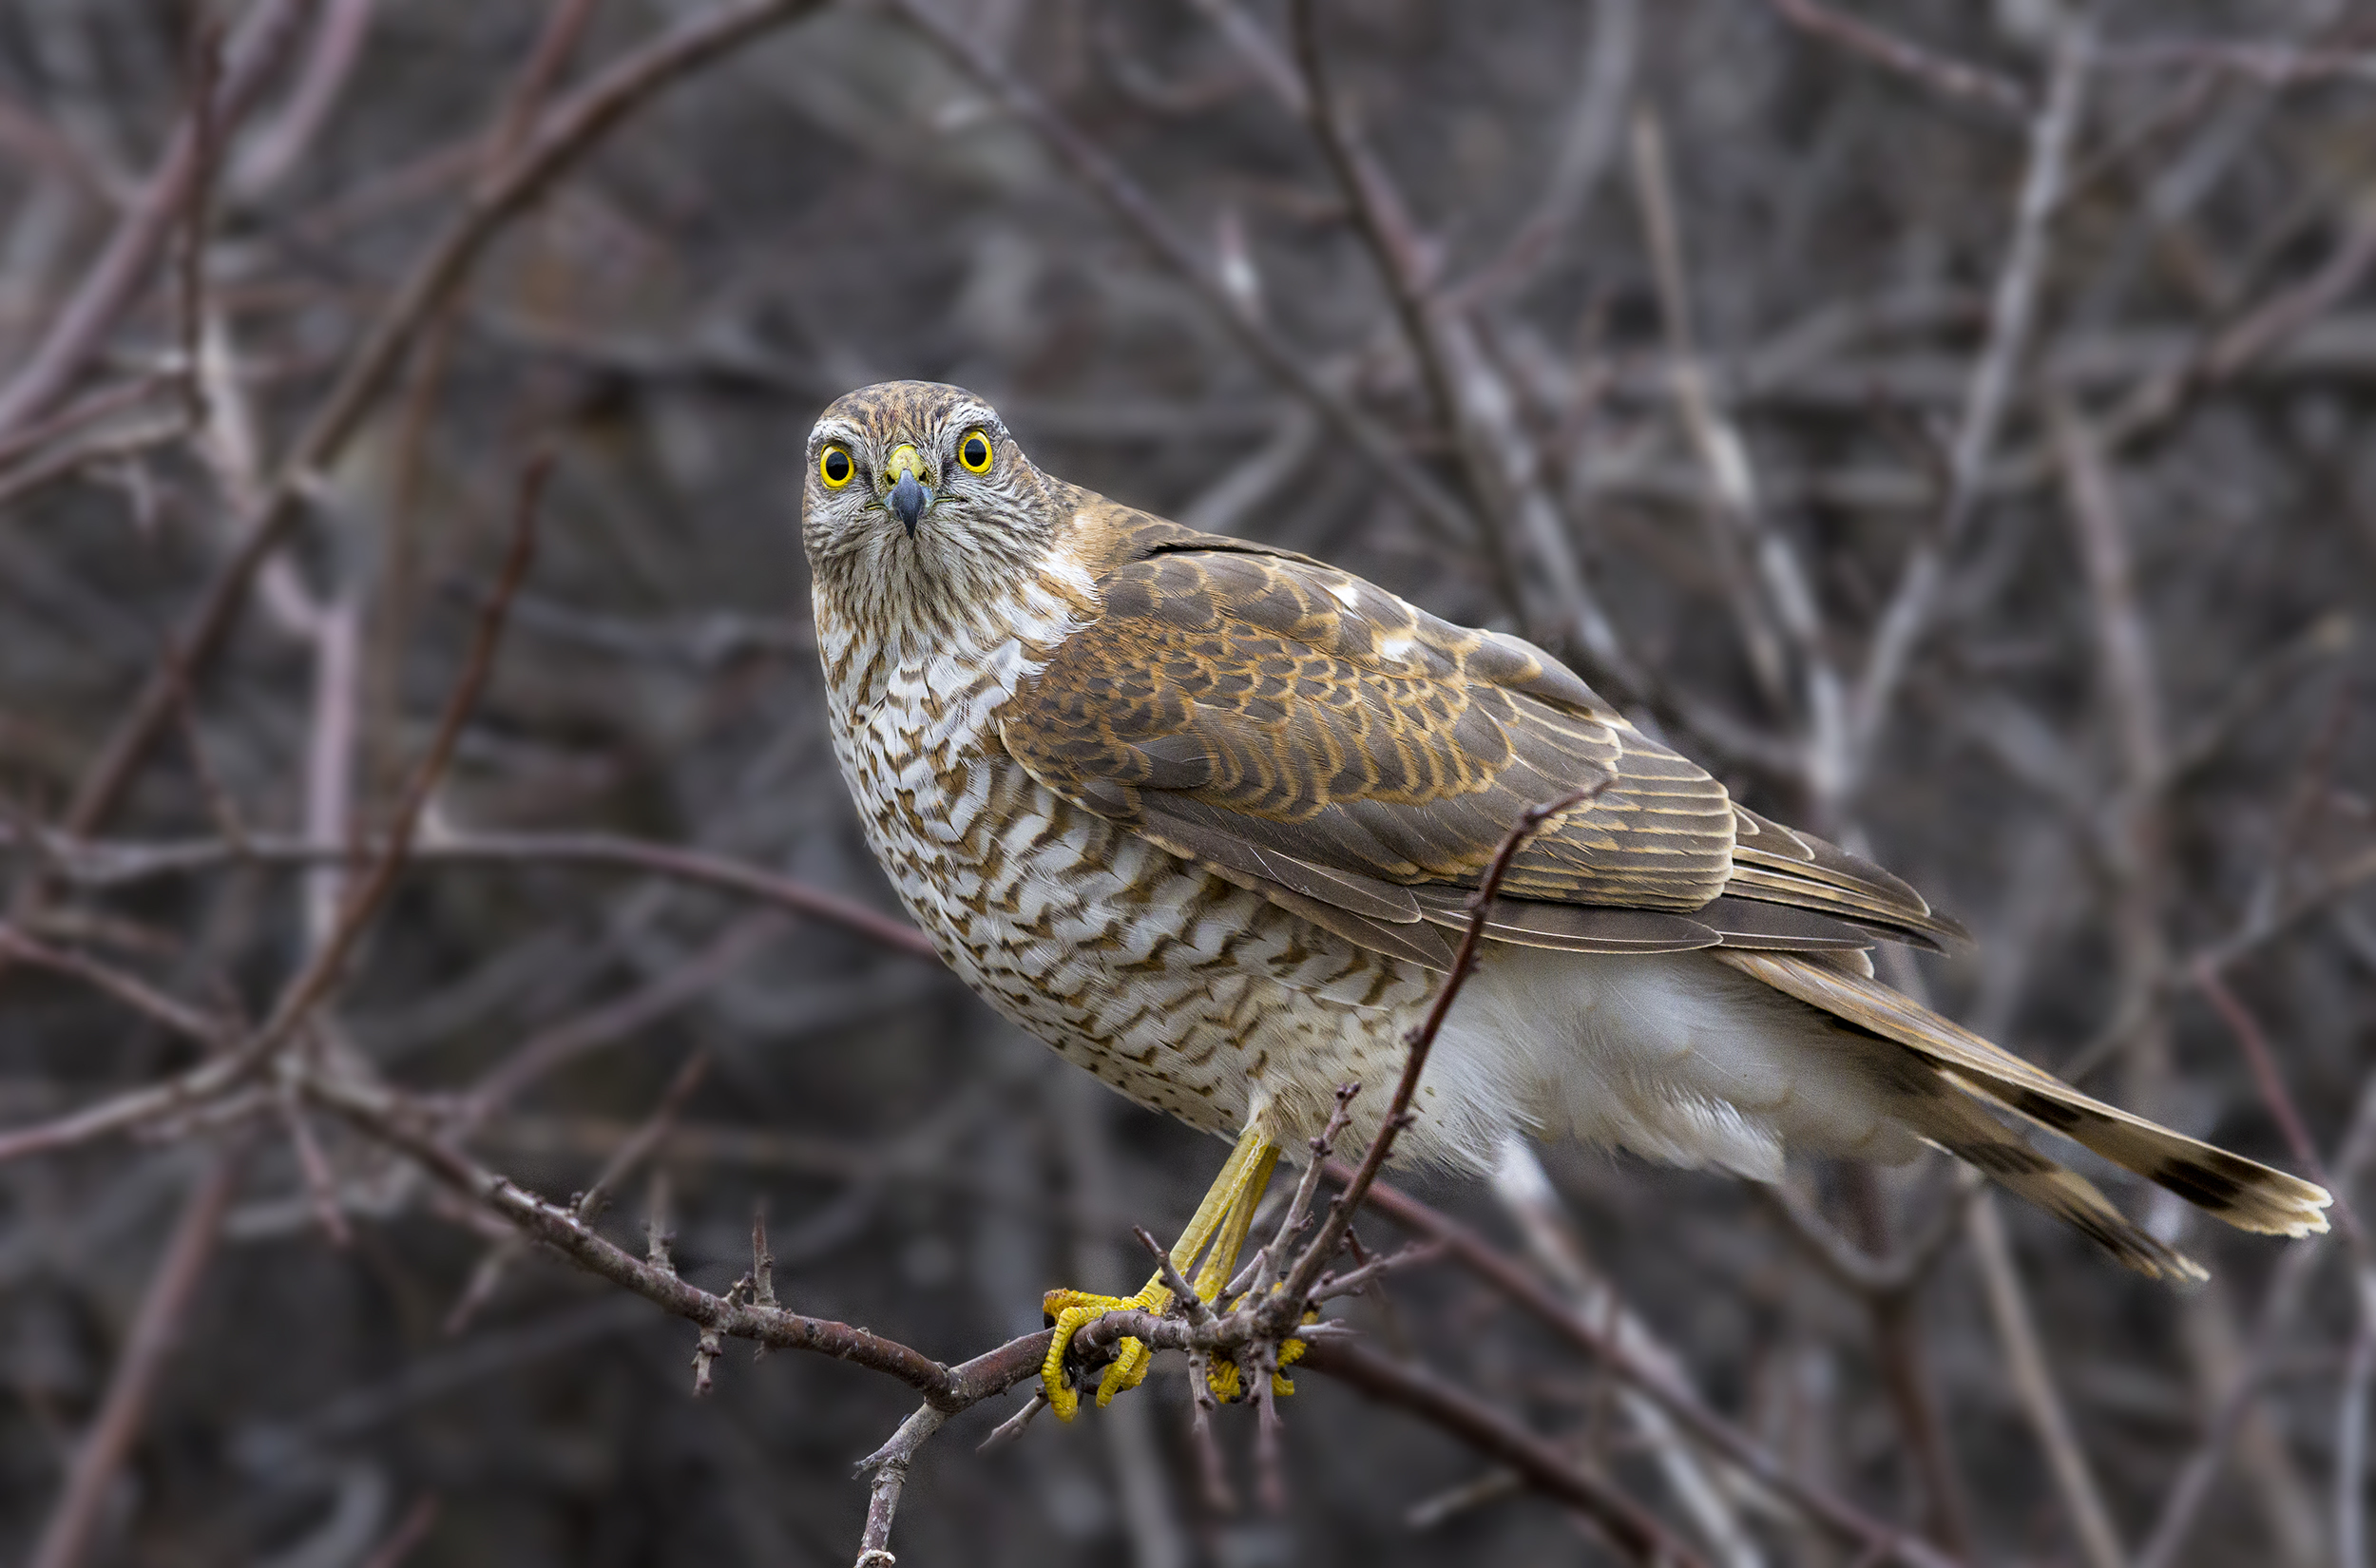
1279 719
1301 731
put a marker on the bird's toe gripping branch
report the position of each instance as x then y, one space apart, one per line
1228 1383
1071 1312
1220 1224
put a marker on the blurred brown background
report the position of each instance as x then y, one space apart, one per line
1947 421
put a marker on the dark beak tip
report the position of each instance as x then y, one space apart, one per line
908 500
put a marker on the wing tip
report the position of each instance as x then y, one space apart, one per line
1954 936
1892 907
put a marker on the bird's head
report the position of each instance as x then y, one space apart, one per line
918 504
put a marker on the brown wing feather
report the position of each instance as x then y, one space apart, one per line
1303 732
1792 867
1301 712
1575 928
1746 922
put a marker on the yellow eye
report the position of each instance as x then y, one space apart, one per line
974 452
834 467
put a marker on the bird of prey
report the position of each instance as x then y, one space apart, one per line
1204 816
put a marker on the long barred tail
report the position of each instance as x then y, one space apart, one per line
1952 1122
1944 1074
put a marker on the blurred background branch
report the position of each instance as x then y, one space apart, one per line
418 971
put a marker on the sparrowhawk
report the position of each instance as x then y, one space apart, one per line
1204 815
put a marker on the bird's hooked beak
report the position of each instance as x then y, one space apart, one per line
909 495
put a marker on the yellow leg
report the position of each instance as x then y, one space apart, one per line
1221 1221
1230 1240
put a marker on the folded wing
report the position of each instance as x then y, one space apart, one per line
1299 730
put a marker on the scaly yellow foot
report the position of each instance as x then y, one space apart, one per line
1228 1385
1073 1309
1220 1221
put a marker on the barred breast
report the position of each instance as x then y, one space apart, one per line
1189 994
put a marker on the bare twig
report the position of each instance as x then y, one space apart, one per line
1139 214
66 1536
565 24
205 155
112 445
282 141
321 973
659 1234
2278 1306
411 1531
1939 73
2034 1385
1286 1306
1270 1261
2123 645
1526 1191
43 436
681 985
2134 835
1183 1293
566 135
486 1276
219 806
890 1466
1899 1349
34 140
1882 1543
1503 472
645 1139
111 285
2359 1375
132 991
2053 132
99 862
1012 1427
2271 64
315 982
712 1343
2271 1081
1858 1271
1631 1530
321 1186
1595 125
383 1115
1786 607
